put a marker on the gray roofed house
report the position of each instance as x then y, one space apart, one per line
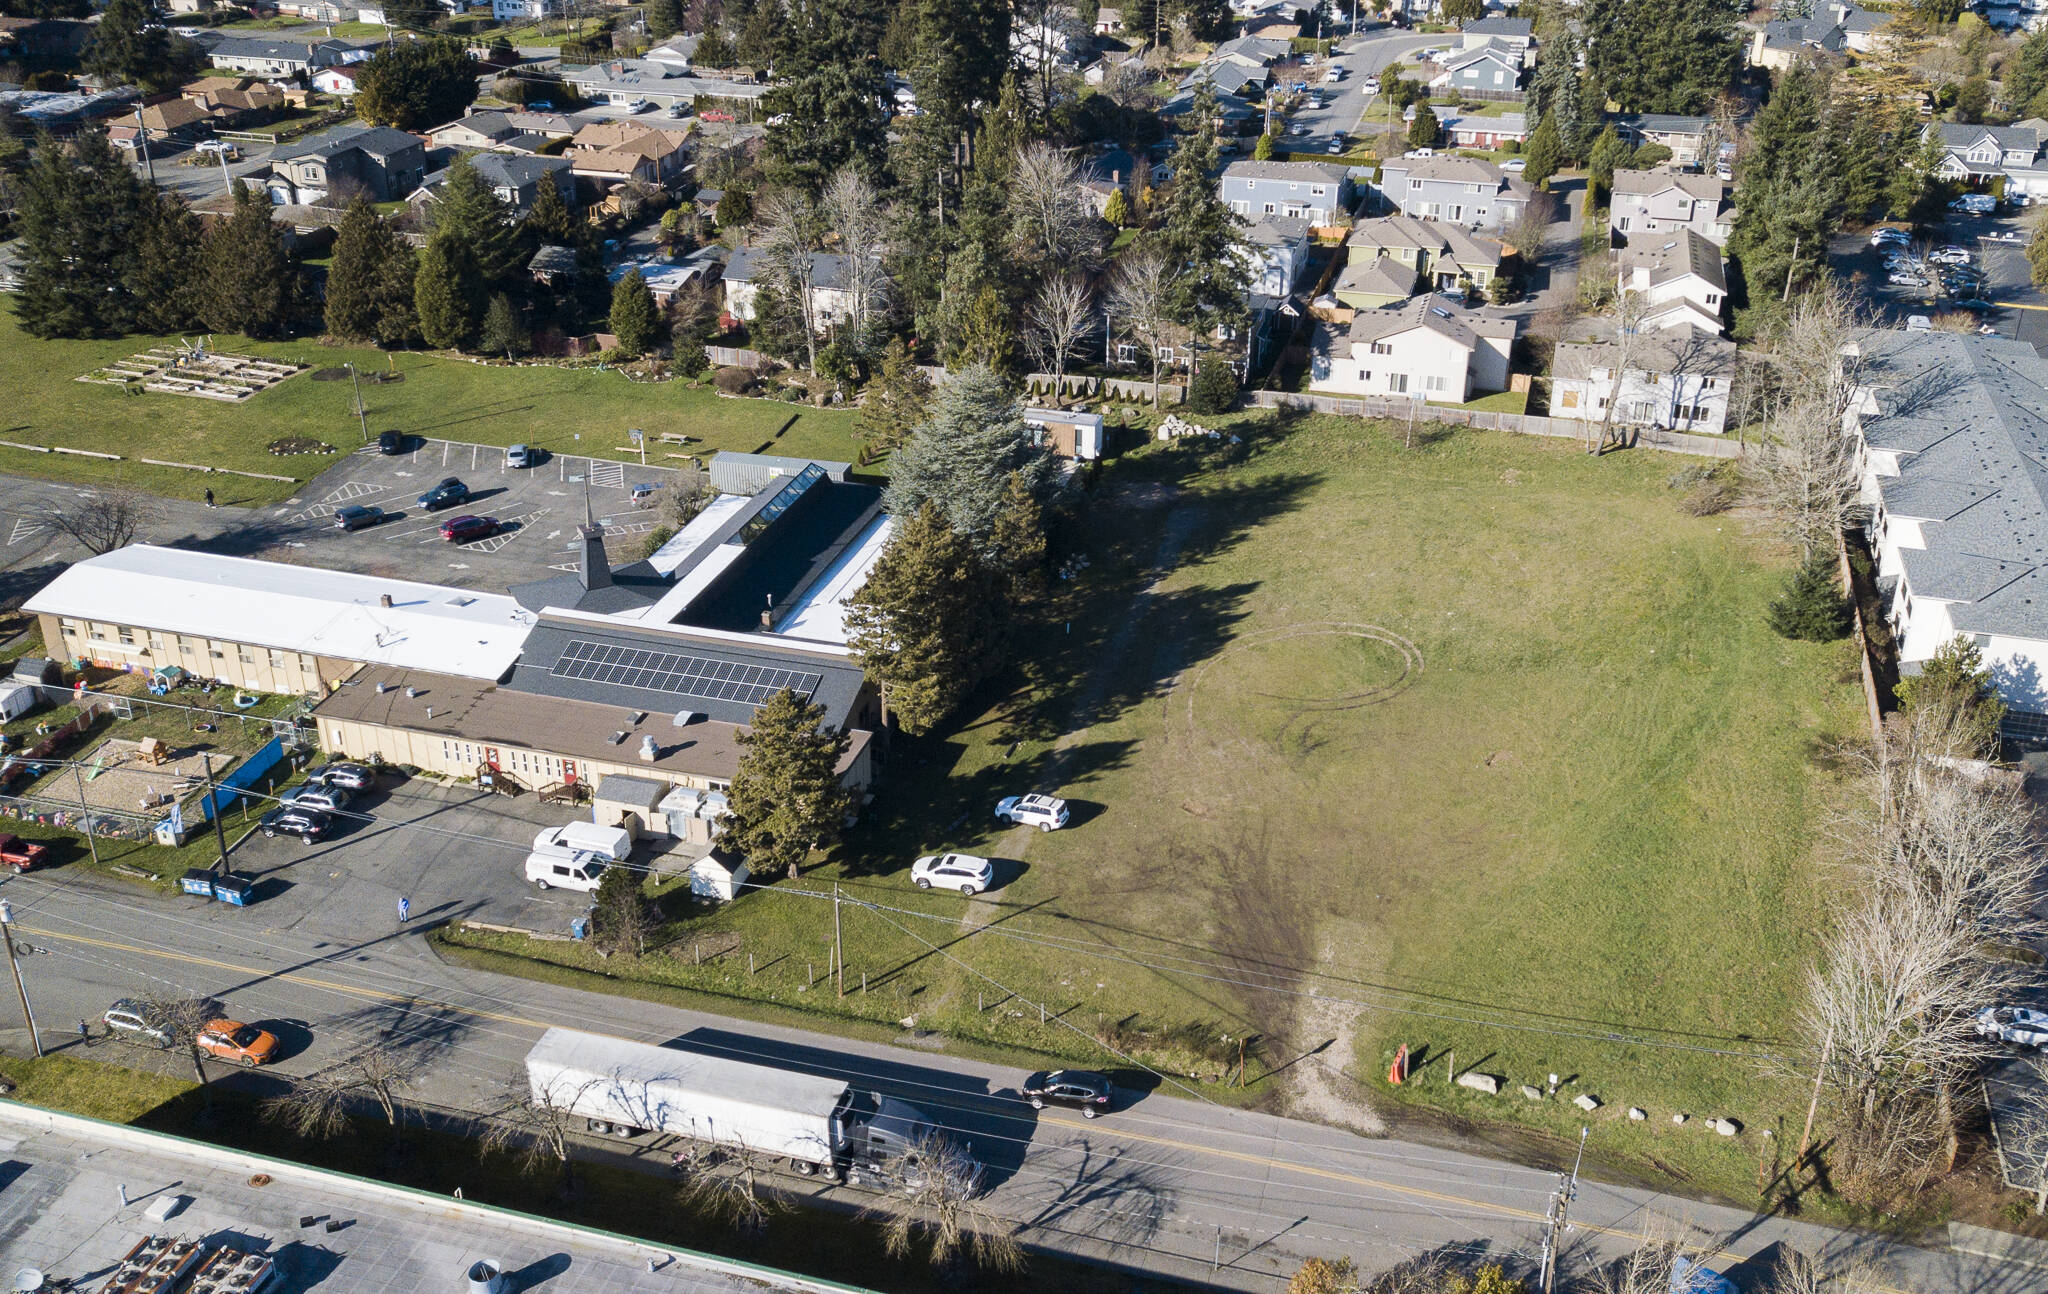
1954 432
552 261
489 130
383 164
514 177
1676 378
1684 136
1679 277
624 80
1976 154
1476 130
1489 71
1429 348
1228 78
1231 109
1255 52
1375 282
829 296
1511 30
1311 191
1657 202
1463 190
1443 251
282 57
1779 44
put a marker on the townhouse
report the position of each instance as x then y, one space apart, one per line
1659 202
1675 378
1427 349
1313 191
1677 278
1462 190
830 299
1443 255
1980 157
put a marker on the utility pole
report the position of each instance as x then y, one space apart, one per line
1827 1048
1557 1219
1790 266
838 948
220 834
85 812
362 416
142 139
7 934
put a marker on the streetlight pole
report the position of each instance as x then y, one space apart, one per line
362 418
7 934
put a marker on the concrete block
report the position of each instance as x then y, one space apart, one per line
1486 1083
1533 1093
1586 1101
1636 1114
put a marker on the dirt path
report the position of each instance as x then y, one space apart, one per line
1323 1089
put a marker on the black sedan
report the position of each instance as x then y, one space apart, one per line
1085 1090
391 443
447 494
308 824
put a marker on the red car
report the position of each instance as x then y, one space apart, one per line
462 530
21 855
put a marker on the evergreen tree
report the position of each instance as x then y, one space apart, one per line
756 45
735 208
370 281
635 320
621 916
958 457
1263 150
825 109
1868 157
2037 250
130 46
1117 211
1201 235
1917 191
1214 388
448 296
549 219
1662 55
1608 153
1424 131
959 50
79 208
1973 99
1956 675
1790 194
1568 117
2026 72
469 215
713 50
894 403
1017 538
416 84
501 333
1812 606
928 624
1544 153
786 798
664 18
1207 19
248 282
1463 11
169 267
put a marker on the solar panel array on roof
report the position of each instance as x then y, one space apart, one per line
714 680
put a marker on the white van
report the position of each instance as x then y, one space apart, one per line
558 869
614 844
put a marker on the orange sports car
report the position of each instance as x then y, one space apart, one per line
233 1040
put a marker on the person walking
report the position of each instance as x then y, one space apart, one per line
404 909
84 1033
209 498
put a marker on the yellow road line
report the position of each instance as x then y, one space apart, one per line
2018 305
1306 1170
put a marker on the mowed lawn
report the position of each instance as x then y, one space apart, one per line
1591 810
580 411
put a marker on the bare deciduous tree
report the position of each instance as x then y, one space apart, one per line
855 214
318 1105
182 1020
1056 322
1137 304
1050 213
534 1126
730 1189
1628 344
939 1206
1804 474
1527 232
786 236
105 519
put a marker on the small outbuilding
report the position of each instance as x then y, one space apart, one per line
630 802
718 875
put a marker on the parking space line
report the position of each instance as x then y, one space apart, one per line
26 528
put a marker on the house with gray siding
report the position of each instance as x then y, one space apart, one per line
1463 190
1657 202
283 57
1311 191
381 164
1489 72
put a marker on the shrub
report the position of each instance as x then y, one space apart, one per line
1214 389
735 380
1812 606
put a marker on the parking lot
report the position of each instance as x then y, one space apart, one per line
1997 252
538 510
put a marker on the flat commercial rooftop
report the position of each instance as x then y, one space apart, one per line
61 1181
336 614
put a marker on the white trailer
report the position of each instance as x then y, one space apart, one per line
627 1088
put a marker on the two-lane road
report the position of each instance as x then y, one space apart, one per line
1165 1183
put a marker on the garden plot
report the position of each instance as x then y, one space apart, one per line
204 374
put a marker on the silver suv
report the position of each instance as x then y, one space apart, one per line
137 1021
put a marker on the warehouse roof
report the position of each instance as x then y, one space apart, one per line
336 614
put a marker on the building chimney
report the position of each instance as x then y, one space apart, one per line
597 569
384 600
648 750
768 614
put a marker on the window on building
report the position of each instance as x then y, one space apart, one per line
1397 383
1382 348
69 628
1270 208
127 636
1435 383
276 659
247 657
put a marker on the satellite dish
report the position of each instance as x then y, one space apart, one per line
28 1280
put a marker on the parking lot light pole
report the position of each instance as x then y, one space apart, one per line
7 934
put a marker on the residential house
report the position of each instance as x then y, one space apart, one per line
665 277
607 153
1679 278
283 57
1108 21
377 162
1674 378
1443 254
1463 190
179 119
523 10
1657 202
488 131
1952 431
1861 28
1233 114
1428 349
1979 156
1686 137
1105 173
337 81
552 264
1783 43
1228 78
1313 191
661 84
1517 34
1472 130
1068 433
1057 37
830 300
1489 72
233 101
678 49
516 179
1374 283
1277 251
1251 52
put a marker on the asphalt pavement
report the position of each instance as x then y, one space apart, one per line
1165 1183
1361 56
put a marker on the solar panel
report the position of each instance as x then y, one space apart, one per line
699 676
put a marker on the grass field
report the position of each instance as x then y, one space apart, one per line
1583 809
61 1081
583 411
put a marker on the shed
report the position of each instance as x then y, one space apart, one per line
1069 433
718 875
17 699
733 473
629 802
37 669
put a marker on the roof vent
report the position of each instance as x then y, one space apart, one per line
411 691
648 750
639 717
382 687
684 718
384 600
617 737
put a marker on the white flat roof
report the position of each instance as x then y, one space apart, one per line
702 528
293 608
820 614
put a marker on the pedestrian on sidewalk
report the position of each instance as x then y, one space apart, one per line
209 498
84 1033
404 909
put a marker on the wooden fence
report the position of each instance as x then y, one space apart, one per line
1677 442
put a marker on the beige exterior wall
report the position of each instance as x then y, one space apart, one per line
241 665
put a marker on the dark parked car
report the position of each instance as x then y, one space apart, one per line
391 443
357 517
1085 1090
307 824
445 495
353 777
462 530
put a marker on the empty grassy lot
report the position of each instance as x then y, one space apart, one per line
1481 746
439 397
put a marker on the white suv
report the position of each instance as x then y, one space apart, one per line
2014 1024
1046 812
962 872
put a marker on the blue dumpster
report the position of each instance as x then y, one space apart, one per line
232 889
198 881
